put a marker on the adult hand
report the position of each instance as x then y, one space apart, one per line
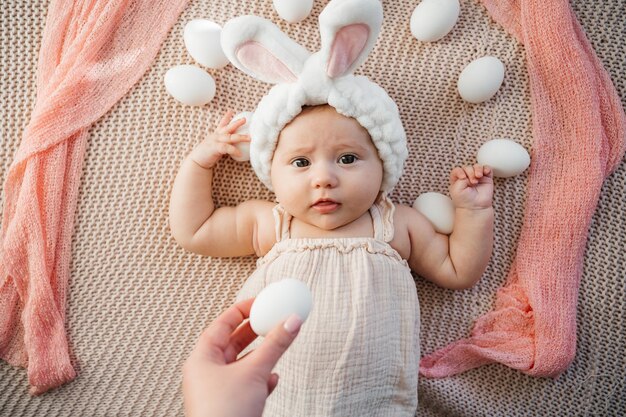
215 384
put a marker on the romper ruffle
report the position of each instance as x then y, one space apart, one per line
357 354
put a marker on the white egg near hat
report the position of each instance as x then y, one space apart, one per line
202 40
433 19
293 11
349 29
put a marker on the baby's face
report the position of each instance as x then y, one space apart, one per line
326 170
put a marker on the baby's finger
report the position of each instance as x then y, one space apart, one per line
228 149
226 118
469 171
236 124
457 174
235 138
478 171
487 171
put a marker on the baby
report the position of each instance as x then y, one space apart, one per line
331 146
351 247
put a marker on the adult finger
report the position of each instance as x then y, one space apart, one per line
271 383
276 342
217 336
239 340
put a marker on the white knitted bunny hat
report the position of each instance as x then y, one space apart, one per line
348 29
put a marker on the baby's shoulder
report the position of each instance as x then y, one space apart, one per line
406 217
401 242
410 229
402 215
410 221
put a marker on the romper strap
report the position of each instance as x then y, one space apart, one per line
282 221
382 217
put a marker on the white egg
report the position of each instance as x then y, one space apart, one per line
433 19
438 209
481 79
190 85
506 157
276 302
244 147
293 11
202 40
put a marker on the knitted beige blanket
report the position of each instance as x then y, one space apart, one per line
137 301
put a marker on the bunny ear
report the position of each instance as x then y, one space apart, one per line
260 49
349 29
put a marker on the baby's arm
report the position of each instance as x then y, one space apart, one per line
194 222
457 261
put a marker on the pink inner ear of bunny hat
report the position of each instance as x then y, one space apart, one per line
348 44
256 57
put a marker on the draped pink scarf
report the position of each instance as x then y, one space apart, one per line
92 52
579 139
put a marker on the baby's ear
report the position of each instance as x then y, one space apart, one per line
349 29
260 49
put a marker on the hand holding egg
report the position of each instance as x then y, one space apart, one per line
222 141
277 302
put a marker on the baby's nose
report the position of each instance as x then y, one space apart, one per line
324 176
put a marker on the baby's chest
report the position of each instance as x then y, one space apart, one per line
343 263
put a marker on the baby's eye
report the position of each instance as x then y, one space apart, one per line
300 162
347 159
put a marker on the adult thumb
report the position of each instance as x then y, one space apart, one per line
277 341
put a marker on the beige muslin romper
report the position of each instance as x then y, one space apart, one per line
357 354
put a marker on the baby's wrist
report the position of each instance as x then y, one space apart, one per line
201 166
202 160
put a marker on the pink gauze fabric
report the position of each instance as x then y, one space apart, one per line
92 52
579 140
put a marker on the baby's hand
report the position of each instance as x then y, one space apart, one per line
221 142
471 187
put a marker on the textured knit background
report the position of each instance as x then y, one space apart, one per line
137 301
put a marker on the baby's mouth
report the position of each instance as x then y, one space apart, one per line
325 205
